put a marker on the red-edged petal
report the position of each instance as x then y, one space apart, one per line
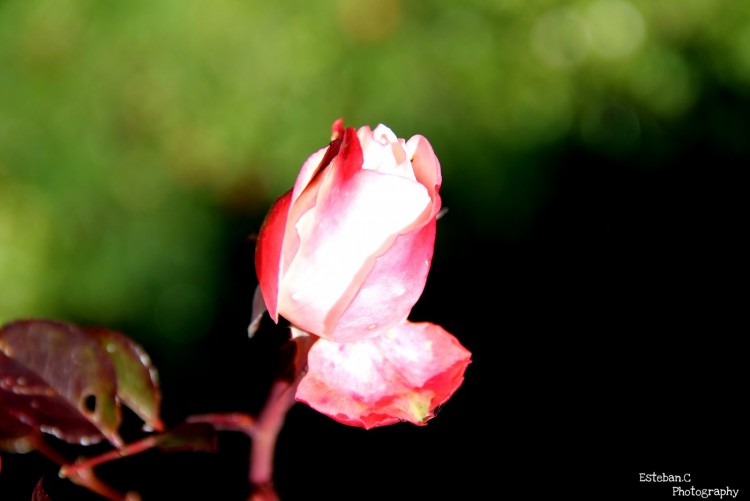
278 240
337 129
268 252
403 375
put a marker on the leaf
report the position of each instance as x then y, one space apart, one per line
199 437
137 378
58 380
39 493
28 398
11 428
15 436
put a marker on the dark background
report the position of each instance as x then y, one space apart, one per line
594 160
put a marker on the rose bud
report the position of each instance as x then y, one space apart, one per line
345 253
344 256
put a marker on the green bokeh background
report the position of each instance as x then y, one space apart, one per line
128 131
141 142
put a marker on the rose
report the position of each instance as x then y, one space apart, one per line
344 257
345 253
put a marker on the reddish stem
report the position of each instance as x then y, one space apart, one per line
263 431
144 444
233 421
40 445
266 432
84 477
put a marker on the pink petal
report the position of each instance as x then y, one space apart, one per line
426 165
395 282
403 375
384 152
308 170
303 197
312 167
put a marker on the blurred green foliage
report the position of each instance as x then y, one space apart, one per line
129 130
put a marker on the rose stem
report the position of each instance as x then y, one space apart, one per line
83 477
266 431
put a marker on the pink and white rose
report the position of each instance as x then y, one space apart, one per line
344 256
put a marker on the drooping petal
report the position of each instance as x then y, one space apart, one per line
357 216
403 375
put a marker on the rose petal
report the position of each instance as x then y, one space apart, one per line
307 172
277 240
384 152
403 375
268 252
426 166
395 283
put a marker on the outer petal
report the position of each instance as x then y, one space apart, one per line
278 240
403 375
304 196
268 252
313 166
307 172
357 217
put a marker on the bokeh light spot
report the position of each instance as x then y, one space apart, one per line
616 28
24 242
740 55
662 81
369 20
559 38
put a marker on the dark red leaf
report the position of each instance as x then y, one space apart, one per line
15 436
58 380
137 378
27 397
11 428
